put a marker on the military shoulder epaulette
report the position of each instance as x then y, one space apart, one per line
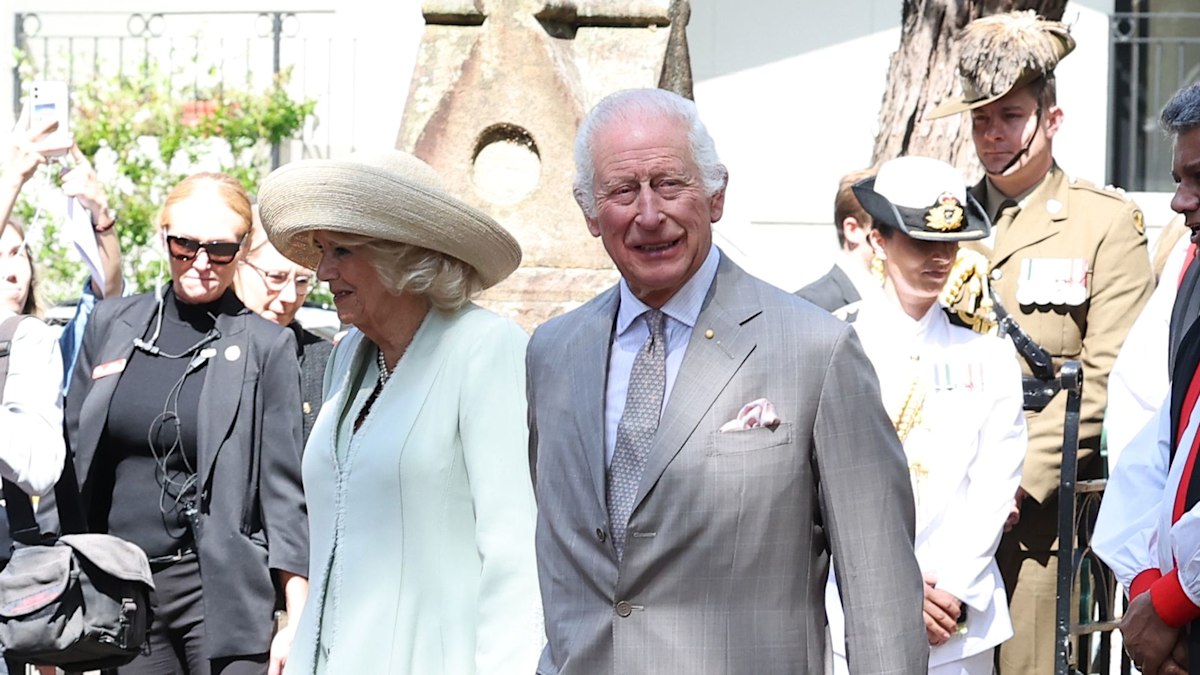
1110 191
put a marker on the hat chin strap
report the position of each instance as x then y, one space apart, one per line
1024 150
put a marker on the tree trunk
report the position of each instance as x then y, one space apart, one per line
924 72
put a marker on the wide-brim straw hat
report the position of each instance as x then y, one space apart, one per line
924 198
389 195
1002 53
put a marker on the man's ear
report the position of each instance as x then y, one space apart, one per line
593 222
854 232
1054 119
716 204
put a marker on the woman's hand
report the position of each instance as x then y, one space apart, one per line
281 646
941 613
29 150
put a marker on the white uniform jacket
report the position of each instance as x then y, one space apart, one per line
965 451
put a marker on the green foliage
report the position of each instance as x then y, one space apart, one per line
144 134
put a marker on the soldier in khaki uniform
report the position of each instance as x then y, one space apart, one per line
1069 263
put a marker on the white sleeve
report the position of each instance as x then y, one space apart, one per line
1139 377
31 447
1129 513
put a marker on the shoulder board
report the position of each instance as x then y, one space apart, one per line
1110 191
964 320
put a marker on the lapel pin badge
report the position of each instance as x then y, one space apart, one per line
233 353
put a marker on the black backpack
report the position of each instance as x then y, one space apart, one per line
78 601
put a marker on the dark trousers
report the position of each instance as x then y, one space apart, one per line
176 638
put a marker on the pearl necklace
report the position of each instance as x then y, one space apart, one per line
384 373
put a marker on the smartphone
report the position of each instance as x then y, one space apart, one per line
50 100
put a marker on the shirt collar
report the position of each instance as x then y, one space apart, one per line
996 198
684 306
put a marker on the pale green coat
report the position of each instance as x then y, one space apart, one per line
431 511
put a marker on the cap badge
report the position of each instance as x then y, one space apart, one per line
947 216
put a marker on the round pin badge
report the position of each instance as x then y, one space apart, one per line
233 353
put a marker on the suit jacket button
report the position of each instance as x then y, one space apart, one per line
624 609
601 535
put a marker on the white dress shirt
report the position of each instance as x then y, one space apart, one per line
630 334
31 447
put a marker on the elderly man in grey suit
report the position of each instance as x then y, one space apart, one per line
701 442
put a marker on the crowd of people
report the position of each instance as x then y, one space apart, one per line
694 472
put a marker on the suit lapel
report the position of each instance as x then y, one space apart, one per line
708 366
119 345
590 351
1033 223
407 388
221 395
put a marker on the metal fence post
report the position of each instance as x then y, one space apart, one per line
1071 377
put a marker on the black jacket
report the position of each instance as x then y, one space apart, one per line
254 517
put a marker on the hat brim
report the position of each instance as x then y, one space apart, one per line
911 221
961 104
354 197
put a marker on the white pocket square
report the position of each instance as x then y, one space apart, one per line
757 413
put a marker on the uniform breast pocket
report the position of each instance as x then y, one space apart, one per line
745 441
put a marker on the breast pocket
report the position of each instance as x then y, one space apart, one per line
749 440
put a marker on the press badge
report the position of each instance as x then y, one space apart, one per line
109 368
1053 281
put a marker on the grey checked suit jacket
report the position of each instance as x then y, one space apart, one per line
729 541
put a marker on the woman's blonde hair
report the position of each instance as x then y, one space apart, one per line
447 282
34 304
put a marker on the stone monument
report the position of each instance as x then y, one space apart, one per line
498 91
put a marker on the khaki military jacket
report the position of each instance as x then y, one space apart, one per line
1067 218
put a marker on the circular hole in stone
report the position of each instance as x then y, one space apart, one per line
506 166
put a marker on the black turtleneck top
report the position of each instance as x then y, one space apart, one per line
145 466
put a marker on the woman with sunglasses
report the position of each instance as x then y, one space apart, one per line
183 417
275 288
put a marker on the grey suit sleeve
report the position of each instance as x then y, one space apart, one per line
285 515
867 504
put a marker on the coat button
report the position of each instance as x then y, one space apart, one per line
624 609
601 535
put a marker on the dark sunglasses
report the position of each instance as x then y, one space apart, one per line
219 252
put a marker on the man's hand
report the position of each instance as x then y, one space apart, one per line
1149 641
1177 662
941 613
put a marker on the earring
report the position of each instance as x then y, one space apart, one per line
877 268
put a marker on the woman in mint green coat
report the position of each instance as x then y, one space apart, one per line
420 502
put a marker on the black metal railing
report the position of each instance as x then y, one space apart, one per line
1087 588
208 50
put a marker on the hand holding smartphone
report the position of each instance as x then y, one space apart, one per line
50 102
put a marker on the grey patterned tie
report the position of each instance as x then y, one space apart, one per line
635 432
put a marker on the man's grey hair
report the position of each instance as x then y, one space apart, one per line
1182 112
625 107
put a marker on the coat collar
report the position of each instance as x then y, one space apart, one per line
1038 219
